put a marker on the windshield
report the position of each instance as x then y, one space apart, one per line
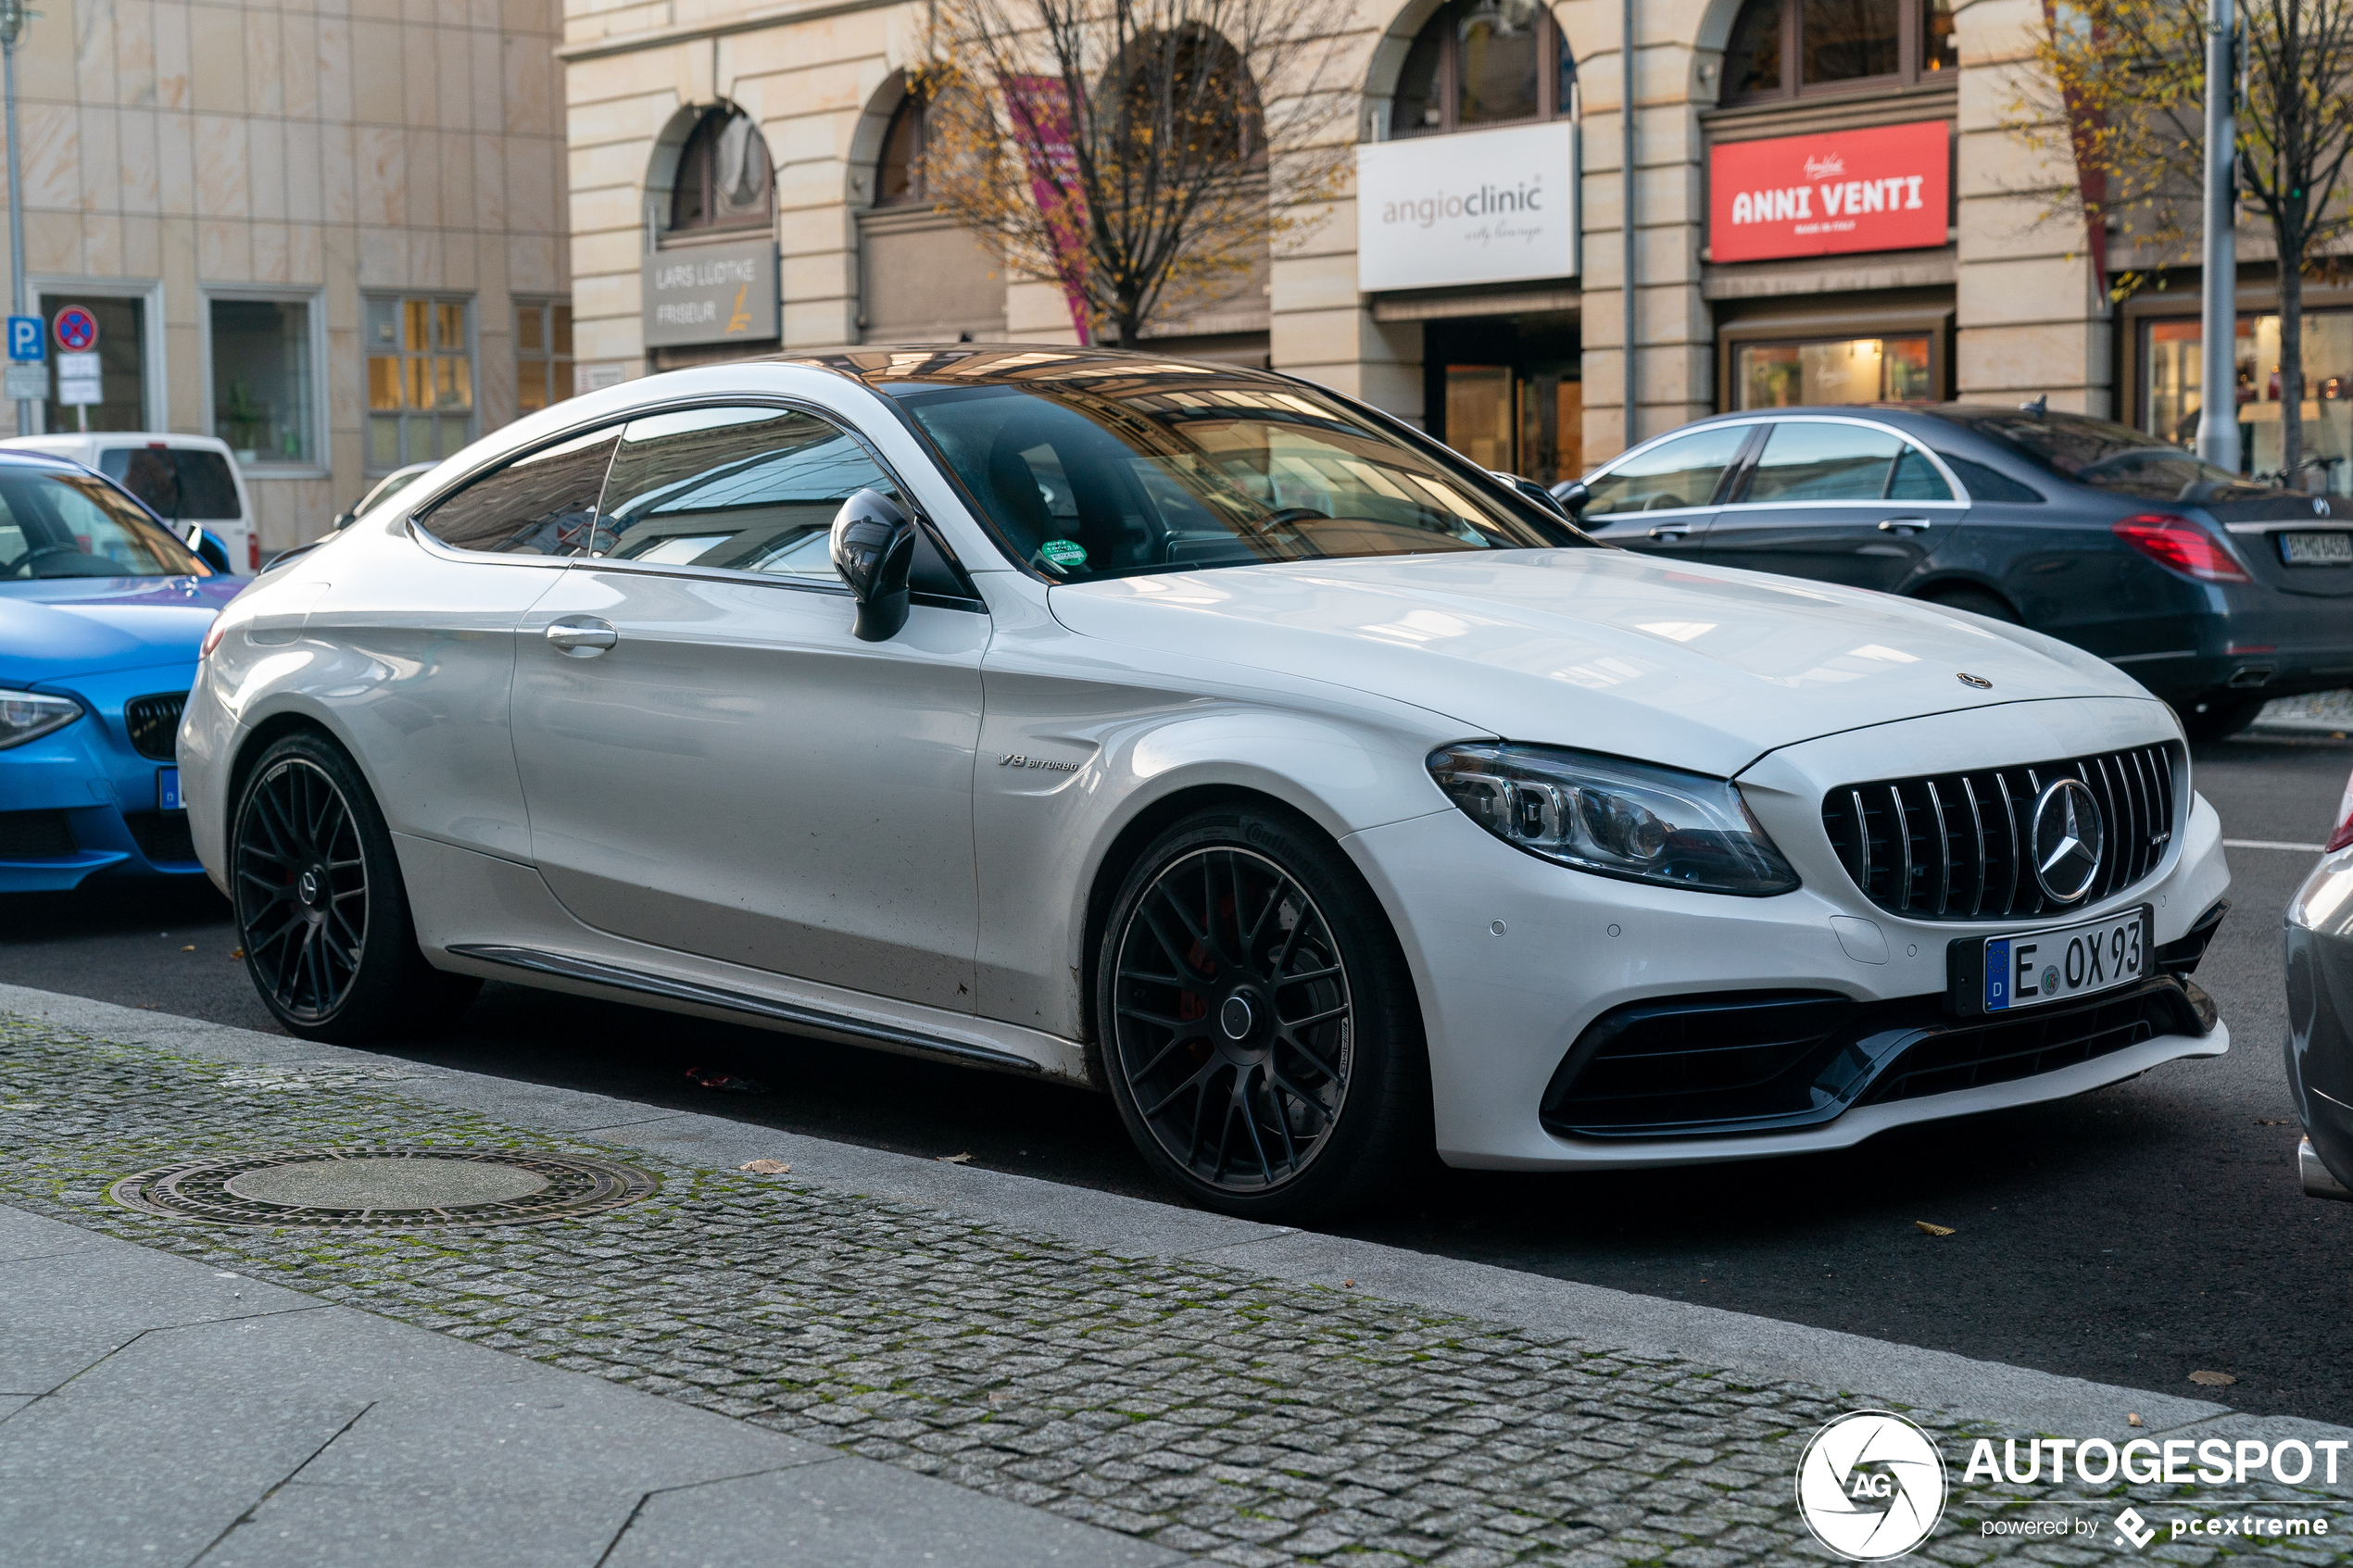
1176 467
57 524
181 485
2105 457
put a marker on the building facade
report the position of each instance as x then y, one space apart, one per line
1823 206
331 232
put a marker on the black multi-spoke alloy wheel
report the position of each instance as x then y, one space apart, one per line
321 909
1256 1025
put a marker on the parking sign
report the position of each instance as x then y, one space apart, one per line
24 339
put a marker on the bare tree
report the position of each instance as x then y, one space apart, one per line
1140 154
2121 85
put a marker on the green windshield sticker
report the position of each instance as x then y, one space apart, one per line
1064 552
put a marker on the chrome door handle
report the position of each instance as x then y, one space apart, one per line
1908 525
582 639
1670 530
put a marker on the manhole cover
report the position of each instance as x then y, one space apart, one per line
335 1188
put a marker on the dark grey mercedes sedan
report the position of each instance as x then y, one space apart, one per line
2320 1013
2214 592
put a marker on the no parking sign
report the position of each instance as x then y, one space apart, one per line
76 329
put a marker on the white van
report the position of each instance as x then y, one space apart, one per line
187 479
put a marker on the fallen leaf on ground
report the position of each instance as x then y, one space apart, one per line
1348 1285
236 952
1933 1230
765 1167
725 1083
189 948
2131 1419
2212 1379
2275 1122
955 1159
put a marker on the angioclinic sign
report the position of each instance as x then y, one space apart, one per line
1481 207
1836 192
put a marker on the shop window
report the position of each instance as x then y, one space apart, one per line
1780 48
724 178
2171 397
263 397
898 180
1211 99
121 365
1863 370
1483 62
421 381
543 354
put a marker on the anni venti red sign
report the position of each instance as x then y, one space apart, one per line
1885 189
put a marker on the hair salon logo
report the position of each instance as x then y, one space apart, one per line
1870 1486
1822 168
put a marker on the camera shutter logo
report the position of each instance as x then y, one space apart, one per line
1870 1486
2069 838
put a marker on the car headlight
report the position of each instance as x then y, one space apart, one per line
29 715
1614 818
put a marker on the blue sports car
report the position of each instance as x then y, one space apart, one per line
102 609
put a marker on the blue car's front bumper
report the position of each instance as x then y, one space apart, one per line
83 801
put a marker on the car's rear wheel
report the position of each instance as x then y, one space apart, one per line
2219 717
322 912
1257 1027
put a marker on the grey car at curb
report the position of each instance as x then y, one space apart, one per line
2320 1014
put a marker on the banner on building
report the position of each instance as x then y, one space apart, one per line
1040 108
1480 207
713 293
1832 193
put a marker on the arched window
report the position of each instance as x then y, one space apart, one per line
724 178
1780 48
1483 62
899 173
1212 103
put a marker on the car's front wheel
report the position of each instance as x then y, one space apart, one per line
322 912
1257 1027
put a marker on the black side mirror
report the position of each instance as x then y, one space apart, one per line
1572 496
873 548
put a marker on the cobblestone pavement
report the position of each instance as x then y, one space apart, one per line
1244 1420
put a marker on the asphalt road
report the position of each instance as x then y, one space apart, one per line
2132 1235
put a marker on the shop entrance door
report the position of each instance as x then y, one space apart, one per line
1505 394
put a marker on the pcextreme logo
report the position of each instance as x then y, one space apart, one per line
1870 1486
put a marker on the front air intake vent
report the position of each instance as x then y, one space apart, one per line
154 723
1957 845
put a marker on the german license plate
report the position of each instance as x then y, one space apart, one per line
2030 969
2317 549
167 789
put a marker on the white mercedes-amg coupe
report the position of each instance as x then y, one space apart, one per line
1204 735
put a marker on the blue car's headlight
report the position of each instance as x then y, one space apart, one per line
1613 816
28 715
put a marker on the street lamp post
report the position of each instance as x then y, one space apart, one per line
2218 414
13 15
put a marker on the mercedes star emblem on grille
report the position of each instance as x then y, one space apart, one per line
1979 681
2069 838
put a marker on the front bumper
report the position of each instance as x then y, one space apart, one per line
2320 1012
81 802
1514 958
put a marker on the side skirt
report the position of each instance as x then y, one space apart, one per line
592 973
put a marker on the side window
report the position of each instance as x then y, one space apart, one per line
1916 479
742 489
1991 483
542 504
1681 473
1803 461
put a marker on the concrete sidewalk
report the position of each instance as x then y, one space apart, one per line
154 1409
1010 1361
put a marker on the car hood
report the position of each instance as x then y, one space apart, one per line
69 626
1700 666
